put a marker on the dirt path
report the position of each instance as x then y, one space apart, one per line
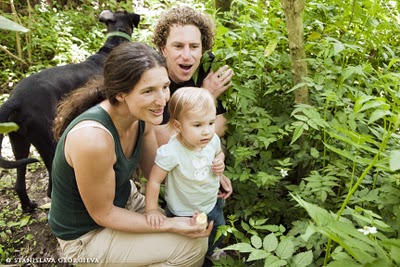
26 238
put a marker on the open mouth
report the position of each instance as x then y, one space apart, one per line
185 67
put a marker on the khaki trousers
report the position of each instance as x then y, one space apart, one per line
106 247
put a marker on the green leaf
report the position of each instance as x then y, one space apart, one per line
258 254
7 127
273 261
309 232
392 62
270 242
347 154
24 220
378 114
352 70
345 262
297 133
314 153
245 226
301 117
242 247
46 206
256 241
270 47
302 259
394 161
7 24
337 48
29 237
285 249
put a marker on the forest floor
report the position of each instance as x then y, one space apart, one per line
26 238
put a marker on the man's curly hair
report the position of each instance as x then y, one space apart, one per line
182 16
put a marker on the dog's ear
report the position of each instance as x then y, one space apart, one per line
106 15
135 19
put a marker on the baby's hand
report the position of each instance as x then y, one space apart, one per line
218 167
155 218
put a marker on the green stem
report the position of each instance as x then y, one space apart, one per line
358 183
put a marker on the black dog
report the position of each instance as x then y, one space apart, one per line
33 102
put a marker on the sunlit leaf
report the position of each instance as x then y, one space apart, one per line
258 254
273 261
242 247
270 47
256 241
394 161
7 24
24 220
7 127
303 259
270 242
285 249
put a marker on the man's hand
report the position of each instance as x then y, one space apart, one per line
225 187
219 81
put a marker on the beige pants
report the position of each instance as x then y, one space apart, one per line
106 247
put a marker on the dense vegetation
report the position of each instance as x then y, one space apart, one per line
314 185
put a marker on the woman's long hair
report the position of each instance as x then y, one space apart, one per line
123 69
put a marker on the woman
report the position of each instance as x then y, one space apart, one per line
96 211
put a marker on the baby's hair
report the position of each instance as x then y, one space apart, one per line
190 99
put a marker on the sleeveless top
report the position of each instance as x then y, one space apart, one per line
68 217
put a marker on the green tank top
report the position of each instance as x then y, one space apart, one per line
68 217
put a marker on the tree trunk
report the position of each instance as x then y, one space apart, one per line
294 22
222 5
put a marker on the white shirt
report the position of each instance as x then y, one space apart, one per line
191 184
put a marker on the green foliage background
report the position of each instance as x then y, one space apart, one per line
341 154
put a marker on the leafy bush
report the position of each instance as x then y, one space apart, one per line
338 155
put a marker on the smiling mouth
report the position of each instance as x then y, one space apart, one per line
157 112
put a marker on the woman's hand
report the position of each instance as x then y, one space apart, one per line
188 227
219 81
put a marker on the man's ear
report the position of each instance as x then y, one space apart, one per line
163 51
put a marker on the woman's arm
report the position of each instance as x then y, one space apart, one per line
90 151
148 150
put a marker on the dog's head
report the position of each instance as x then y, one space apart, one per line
120 21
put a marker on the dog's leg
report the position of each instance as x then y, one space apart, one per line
20 147
46 152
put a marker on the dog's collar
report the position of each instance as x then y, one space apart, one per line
121 34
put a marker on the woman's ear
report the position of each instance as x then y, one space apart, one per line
120 97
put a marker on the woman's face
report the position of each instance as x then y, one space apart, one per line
148 98
183 51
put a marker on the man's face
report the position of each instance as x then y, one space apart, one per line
183 51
